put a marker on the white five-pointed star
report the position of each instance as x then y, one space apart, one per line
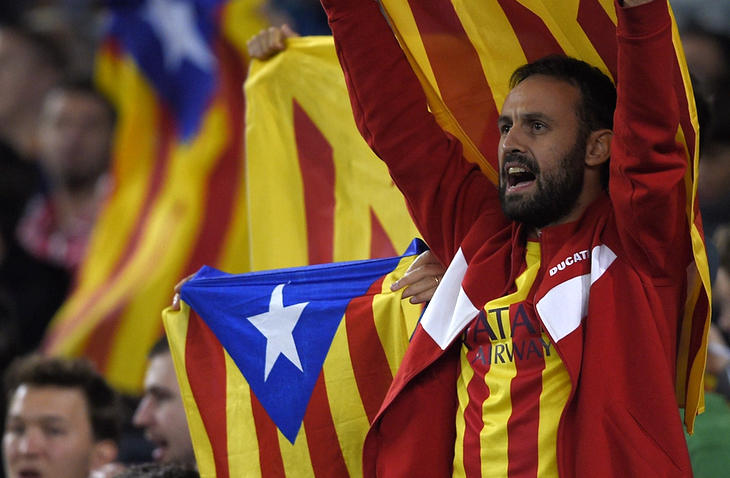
174 23
277 325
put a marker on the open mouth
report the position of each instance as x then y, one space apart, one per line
519 177
159 451
29 473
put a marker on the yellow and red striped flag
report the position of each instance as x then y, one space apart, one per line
282 372
174 70
464 53
312 180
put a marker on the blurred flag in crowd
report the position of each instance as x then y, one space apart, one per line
312 191
464 53
281 372
174 70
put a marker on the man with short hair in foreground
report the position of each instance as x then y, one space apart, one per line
62 419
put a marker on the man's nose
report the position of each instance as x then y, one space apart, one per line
513 141
143 413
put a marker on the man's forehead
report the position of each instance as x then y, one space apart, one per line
538 92
161 373
48 402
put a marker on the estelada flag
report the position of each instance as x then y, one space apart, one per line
281 372
464 53
316 193
174 70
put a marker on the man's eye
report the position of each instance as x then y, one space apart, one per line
54 431
537 126
15 429
504 129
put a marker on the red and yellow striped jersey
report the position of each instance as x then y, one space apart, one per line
512 388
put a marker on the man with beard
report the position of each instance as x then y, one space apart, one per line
549 348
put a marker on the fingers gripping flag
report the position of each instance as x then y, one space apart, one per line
464 52
282 371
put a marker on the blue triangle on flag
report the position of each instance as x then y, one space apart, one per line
278 326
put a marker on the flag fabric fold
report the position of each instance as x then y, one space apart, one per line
464 52
282 371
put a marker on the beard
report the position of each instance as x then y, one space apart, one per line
556 192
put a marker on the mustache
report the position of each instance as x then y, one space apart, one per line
522 160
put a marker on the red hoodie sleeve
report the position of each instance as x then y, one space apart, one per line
648 164
445 193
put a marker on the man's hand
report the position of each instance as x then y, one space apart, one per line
635 3
421 278
269 42
176 298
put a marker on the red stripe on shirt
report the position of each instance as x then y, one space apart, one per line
523 423
478 392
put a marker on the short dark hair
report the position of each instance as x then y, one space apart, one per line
160 470
160 347
76 373
46 48
598 93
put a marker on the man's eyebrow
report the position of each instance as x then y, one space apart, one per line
536 116
504 119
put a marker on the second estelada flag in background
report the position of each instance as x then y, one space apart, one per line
282 371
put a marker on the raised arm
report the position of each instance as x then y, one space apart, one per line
444 192
648 164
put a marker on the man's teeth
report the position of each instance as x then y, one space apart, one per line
516 170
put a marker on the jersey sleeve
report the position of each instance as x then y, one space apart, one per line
648 163
444 192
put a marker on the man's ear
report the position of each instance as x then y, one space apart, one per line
103 452
598 147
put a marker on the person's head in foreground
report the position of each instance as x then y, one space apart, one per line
62 419
556 129
161 412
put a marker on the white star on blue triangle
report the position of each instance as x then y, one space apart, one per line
277 325
261 316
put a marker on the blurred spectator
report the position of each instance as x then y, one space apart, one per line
305 16
161 412
708 57
62 419
30 65
74 137
714 177
713 15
